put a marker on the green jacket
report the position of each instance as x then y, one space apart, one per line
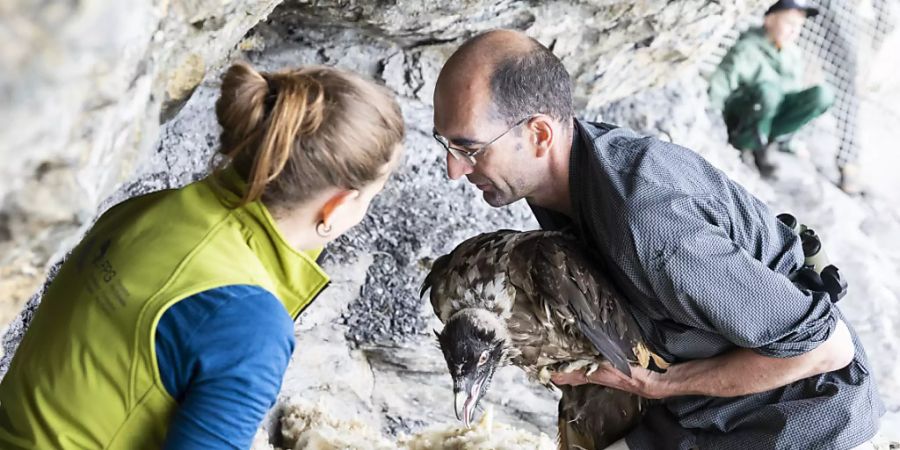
85 374
754 59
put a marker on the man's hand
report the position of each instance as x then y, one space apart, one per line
739 372
643 382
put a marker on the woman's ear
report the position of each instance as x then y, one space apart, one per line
335 204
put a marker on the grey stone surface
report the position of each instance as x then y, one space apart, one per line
84 86
364 348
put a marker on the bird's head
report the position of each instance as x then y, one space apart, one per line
474 343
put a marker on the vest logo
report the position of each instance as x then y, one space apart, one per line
104 249
83 254
102 281
103 264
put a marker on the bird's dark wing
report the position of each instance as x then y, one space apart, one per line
468 275
438 271
573 293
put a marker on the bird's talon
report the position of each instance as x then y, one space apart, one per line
659 361
544 375
574 366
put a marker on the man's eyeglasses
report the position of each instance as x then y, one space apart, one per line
468 156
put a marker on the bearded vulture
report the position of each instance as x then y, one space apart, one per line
535 300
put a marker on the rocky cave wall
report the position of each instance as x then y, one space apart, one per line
89 83
86 84
102 77
83 88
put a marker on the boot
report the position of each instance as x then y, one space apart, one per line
761 158
791 145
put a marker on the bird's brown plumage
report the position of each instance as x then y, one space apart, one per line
557 309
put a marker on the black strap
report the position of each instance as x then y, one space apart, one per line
829 281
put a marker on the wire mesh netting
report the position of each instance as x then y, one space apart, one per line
853 46
841 39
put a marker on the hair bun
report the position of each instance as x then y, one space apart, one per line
290 134
241 107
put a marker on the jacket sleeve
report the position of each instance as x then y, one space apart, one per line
728 75
710 282
796 71
229 357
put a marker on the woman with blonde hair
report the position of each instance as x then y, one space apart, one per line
171 323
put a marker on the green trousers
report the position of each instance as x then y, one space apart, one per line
758 114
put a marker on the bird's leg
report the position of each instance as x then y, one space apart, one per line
592 367
543 376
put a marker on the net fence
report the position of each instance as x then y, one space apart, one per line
843 46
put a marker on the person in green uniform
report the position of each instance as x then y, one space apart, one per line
758 85
170 325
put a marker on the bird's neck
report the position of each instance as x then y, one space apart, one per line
485 320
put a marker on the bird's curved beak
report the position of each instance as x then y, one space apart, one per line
464 401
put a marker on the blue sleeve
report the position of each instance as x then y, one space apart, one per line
222 355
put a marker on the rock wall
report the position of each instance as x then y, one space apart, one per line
364 349
83 88
88 83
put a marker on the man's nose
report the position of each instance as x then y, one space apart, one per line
457 169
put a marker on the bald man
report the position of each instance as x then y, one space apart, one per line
758 363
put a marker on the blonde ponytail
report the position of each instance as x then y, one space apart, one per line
292 133
297 110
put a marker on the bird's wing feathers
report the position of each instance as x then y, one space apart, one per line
438 272
473 274
574 292
567 297
594 416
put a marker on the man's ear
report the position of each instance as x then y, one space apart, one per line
542 134
335 203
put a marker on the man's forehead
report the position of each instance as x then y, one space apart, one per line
461 112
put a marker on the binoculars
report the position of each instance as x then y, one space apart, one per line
817 274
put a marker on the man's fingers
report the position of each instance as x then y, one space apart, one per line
571 378
605 374
608 375
575 378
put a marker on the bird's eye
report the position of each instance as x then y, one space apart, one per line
483 359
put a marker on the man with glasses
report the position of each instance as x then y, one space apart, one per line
757 362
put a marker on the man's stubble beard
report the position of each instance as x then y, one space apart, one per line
497 199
